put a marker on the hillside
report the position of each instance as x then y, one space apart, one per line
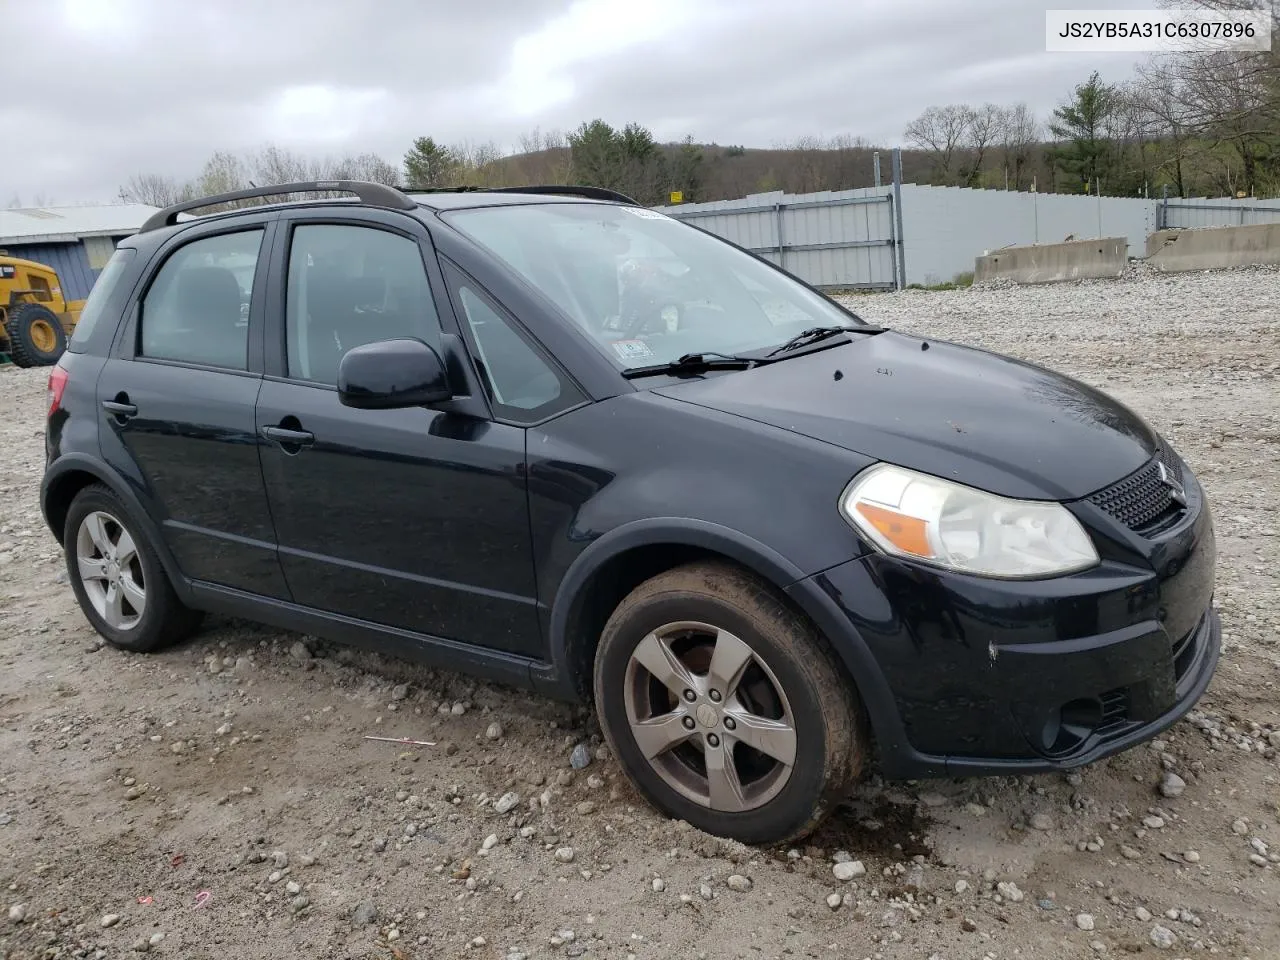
726 172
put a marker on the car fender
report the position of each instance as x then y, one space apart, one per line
767 563
105 474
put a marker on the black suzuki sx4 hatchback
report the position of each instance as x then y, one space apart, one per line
559 440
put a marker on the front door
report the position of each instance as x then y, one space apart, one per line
415 518
177 400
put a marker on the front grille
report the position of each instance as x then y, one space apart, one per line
1165 455
1142 501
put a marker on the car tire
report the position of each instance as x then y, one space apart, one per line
117 577
741 671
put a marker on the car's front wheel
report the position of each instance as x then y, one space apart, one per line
725 707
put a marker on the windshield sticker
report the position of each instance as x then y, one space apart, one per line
631 350
645 214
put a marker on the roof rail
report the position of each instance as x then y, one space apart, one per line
590 193
374 194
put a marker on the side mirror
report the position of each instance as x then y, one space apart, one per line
390 374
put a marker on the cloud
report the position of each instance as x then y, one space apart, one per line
158 85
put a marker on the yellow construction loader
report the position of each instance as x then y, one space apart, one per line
35 318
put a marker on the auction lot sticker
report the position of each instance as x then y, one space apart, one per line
632 350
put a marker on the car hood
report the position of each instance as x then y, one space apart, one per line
989 421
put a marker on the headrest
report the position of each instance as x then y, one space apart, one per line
209 289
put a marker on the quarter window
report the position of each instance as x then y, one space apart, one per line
348 286
197 308
522 385
103 287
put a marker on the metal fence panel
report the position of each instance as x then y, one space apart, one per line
947 228
829 239
846 238
1220 212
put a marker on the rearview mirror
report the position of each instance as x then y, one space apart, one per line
390 374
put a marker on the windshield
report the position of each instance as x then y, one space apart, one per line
647 288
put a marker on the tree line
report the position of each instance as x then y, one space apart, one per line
1191 123
1194 123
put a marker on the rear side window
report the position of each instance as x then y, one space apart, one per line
96 305
197 308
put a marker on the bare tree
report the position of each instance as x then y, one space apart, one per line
538 140
273 165
940 130
155 189
223 172
808 165
1226 5
1019 133
817 163
1158 98
1232 99
556 167
530 142
1138 146
478 164
981 132
368 167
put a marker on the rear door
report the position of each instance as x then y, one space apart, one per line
415 519
177 399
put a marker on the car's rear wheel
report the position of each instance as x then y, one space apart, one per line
118 580
725 707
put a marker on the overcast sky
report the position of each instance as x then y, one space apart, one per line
96 90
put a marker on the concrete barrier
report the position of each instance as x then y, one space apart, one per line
1214 248
1052 262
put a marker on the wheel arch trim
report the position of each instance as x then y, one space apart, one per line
55 479
801 589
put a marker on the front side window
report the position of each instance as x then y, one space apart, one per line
648 288
348 286
197 307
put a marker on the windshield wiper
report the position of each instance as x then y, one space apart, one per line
814 334
691 362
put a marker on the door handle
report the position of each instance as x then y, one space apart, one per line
286 437
118 409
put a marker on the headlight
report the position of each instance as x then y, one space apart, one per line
915 515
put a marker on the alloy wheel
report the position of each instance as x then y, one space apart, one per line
710 716
111 570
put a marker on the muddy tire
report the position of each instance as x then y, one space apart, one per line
36 337
725 706
117 577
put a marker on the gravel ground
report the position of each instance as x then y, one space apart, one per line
219 800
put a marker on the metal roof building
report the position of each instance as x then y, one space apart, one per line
75 241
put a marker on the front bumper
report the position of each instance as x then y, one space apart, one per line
1118 730
967 676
